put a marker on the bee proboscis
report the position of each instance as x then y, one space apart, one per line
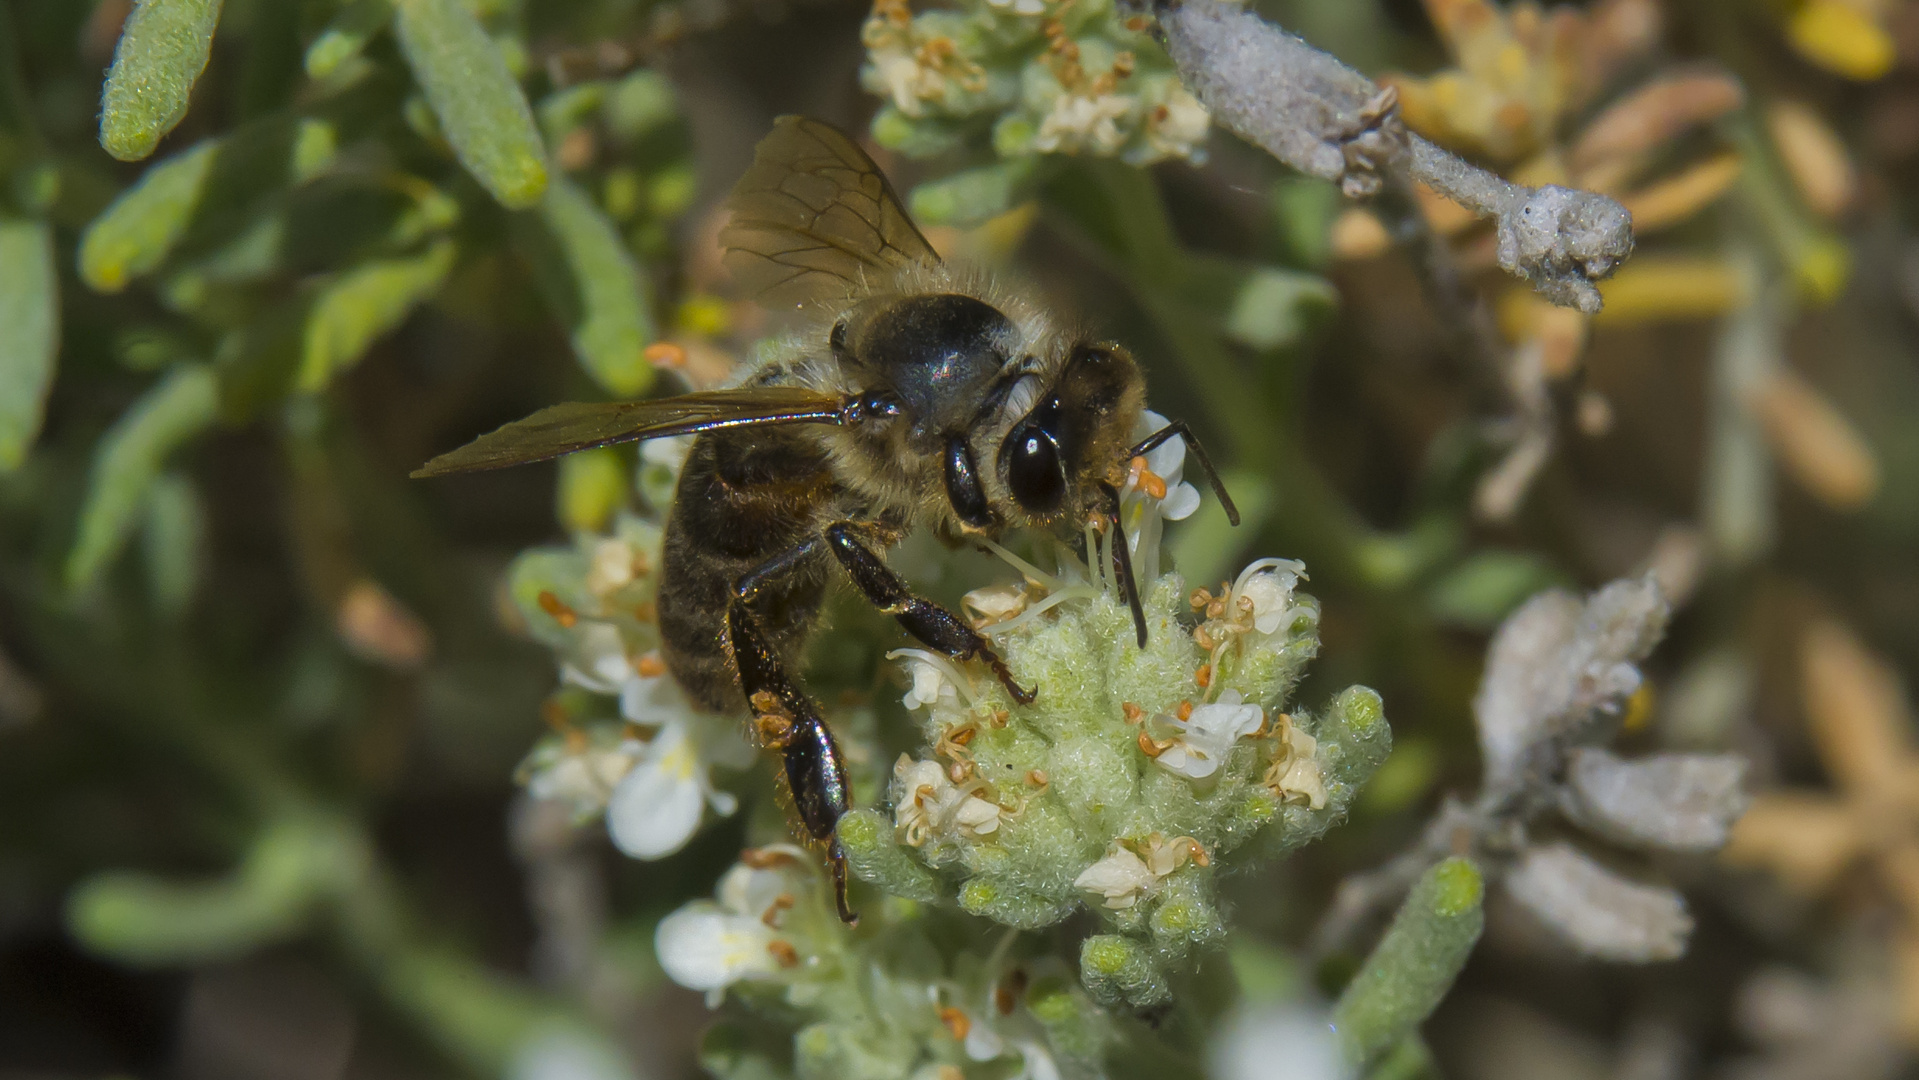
923 395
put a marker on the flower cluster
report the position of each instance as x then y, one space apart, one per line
895 998
1135 770
1048 77
626 741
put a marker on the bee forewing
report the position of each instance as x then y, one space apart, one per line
563 429
815 219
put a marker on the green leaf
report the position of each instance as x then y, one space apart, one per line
357 307
1414 965
973 195
596 287
163 48
129 457
1485 587
133 236
346 36
174 541
145 920
1274 306
592 486
480 108
29 333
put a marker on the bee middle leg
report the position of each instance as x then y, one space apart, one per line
934 626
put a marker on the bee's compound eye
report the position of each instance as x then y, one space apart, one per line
1033 470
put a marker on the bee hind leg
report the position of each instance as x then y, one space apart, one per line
812 769
932 625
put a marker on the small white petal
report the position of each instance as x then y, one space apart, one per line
1180 502
1119 877
656 809
982 1042
977 816
597 659
1209 734
704 948
750 890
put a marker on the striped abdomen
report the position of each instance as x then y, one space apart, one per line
743 498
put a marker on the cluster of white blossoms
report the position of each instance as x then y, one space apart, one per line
1119 789
879 1001
1135 770
1047 76
626 741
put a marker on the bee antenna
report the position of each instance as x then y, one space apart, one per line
1178 428
1123 561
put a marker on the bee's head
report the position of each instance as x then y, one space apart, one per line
1067 436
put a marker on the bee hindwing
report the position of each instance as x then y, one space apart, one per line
815 219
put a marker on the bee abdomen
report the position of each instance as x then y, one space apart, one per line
742 500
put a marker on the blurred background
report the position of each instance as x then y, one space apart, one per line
262 698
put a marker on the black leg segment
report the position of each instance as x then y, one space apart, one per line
932 625
1123 560
786 720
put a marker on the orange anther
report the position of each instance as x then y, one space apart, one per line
651 666
1185 711
1133 713
665 354
784 953
1204 676
956 1022
557 609
1150 746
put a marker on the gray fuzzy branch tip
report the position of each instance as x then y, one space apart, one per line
1317 115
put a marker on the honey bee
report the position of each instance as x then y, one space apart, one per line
920 395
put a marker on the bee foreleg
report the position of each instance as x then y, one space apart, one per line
932 625
786 720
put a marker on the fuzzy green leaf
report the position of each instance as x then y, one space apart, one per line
597 288
174 539
29 333
346 36
162 50
481 110
360 305
129 457
134 235
1414 965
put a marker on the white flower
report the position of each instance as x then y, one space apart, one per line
710 945
1078 122
611 566
1208 735
1028 8
1279 1041
595 658
580 770
1121 877
1124 875
1294 775
657 807
670 452
936 685
567 1053
898 74
1178 127
1168 462
926 803
1267 586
